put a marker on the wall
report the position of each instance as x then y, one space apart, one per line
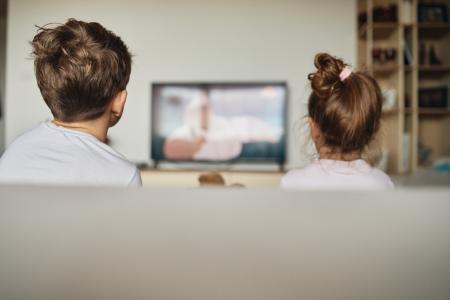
2 69
182 40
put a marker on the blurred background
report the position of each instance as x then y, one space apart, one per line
403 43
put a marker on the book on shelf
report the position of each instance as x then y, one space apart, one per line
406 149
433 97
408 58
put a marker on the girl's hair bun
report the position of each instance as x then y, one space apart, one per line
347 112
324 80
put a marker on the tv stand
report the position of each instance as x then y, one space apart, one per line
178 178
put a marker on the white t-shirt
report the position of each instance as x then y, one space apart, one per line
52 155
337 175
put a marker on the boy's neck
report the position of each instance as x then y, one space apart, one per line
98 127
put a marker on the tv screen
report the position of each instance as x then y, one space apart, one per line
219 122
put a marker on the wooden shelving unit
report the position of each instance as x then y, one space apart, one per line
406 125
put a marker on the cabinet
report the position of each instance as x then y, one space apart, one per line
405 45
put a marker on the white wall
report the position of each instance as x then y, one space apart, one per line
186 40
2 68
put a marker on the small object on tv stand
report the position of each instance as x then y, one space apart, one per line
211 179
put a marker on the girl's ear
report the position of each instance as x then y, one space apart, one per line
315 131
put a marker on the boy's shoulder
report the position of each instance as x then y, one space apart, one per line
50 153
25 141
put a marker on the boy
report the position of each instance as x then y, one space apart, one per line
82 71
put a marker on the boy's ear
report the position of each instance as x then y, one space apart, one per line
117 106
118 103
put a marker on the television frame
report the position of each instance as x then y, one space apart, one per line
235 162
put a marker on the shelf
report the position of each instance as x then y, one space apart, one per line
433 29
394 111
390 111
428 68
388 68
434 111
421 111
385 25
383 29
380 30
437 71
443 25
434 68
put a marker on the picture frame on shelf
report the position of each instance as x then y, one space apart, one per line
432 13
389 98
435 97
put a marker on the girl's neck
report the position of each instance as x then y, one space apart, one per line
327 153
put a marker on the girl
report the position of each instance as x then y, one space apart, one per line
344 112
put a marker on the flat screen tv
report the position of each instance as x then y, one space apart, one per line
219 122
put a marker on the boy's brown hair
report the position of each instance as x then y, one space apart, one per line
347 111
79 68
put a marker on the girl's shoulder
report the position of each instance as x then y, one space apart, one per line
331 174
306 176
382 179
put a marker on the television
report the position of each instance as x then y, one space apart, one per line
221 123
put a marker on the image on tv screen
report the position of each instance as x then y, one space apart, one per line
218 122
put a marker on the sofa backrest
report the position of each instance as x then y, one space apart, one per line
87 243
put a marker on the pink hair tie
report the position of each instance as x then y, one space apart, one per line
346 71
